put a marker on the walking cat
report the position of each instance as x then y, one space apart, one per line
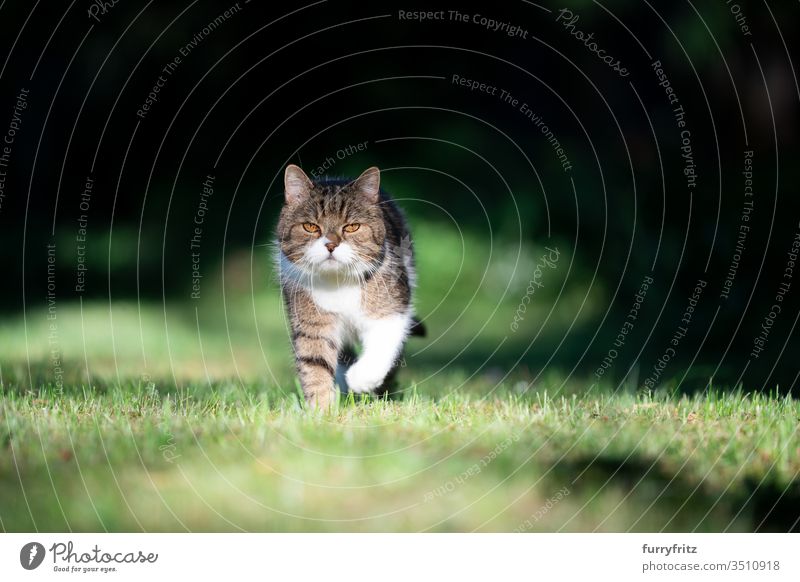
346 266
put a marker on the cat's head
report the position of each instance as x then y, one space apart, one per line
331 228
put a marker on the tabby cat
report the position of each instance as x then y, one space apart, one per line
346 266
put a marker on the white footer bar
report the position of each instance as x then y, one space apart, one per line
387 557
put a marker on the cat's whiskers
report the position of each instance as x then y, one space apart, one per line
371 267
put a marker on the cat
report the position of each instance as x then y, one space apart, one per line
346 265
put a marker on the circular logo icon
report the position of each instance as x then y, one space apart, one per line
31 555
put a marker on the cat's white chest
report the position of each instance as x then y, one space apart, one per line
344 301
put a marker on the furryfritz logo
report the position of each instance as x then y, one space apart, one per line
31 555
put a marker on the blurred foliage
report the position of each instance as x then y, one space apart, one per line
479 180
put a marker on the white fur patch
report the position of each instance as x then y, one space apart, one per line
344 300
382 340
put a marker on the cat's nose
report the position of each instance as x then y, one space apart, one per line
331 245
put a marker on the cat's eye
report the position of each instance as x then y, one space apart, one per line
352 227
310 227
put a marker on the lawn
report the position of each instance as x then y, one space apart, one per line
187 416
226 457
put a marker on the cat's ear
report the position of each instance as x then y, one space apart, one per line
369 183
296 184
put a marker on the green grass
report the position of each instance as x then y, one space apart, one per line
187 416
229 457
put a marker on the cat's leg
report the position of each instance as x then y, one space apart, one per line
382 341
347 357
316 341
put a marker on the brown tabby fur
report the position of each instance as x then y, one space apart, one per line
384 269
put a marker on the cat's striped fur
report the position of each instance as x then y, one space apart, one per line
346 266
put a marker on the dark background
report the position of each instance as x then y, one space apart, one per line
280 83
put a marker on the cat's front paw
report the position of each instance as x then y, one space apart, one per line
363 377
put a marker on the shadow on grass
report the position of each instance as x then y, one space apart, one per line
759 507
685 374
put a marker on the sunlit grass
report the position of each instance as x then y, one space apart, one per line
143 456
